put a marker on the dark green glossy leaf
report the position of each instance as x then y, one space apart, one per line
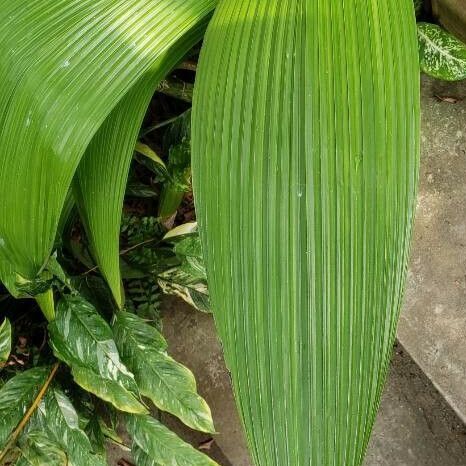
80 337
141 458
161 445
441 54
16 396
168 384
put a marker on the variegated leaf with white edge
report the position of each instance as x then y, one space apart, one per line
57 417
167 383
16 396
441 54
37 449
80 337
187 286
5 342
161 445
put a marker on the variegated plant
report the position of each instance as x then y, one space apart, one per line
305 162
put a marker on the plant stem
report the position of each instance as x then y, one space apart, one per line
46 304
14 436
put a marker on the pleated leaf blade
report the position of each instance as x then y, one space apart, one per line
305 165
70 70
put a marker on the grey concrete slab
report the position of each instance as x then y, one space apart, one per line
433 322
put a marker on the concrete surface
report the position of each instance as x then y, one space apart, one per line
433 322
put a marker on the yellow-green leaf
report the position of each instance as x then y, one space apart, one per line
305 164
16 396
167 383
5 342
162 446
81 338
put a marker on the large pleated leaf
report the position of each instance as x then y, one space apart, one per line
72 70
156 445
305 147
168 384
81 338
16 396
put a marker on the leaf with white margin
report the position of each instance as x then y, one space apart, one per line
441 55
57 417
180 281
37 449
16 396
81 338
5 342
161 445
167 383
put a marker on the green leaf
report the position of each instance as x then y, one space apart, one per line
168 384
75 79
16 396
305 164
144 149
442 55
181 231
5 342
186 285
141 458
81 338
38 450
57 417
161 445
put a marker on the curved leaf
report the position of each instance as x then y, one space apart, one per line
168 384
161 445
39 450
16 396
57 417
5 342
182 282
81 338
66 66
442 55
305 164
